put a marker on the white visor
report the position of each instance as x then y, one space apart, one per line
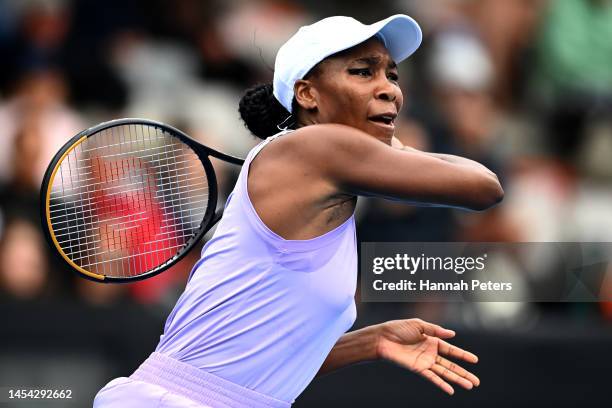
313 43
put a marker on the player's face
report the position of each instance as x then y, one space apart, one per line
359 88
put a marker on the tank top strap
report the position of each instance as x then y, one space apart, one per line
255 151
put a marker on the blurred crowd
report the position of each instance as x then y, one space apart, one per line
523 86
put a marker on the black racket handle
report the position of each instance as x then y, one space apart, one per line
226 157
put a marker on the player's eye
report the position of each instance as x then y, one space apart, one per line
393 76
360 71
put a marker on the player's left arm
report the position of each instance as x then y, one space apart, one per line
446 157
411 343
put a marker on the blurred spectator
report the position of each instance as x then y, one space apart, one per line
462 77
504 28
572 83
35 31
23 262
256 29
19 194
25 258
37 105
220 63
574 49
86 50
507 29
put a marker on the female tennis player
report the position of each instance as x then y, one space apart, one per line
267 306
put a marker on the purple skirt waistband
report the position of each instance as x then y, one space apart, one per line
201 386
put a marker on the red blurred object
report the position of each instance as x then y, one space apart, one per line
131 217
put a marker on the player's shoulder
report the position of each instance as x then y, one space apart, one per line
331 132
323 139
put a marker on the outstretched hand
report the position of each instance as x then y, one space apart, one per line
419 347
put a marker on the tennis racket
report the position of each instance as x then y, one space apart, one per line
127 199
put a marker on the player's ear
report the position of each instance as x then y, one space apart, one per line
305 94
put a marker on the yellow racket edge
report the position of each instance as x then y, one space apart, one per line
48 216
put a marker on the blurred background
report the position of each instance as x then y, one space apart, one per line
523 86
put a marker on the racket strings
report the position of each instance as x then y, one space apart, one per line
127 200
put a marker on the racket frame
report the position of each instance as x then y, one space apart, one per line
211 216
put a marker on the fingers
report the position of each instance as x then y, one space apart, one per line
456 352
434 378
450 376
431 329
453 372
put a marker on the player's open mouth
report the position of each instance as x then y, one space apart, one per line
386 120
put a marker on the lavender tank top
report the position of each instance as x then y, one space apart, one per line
259 310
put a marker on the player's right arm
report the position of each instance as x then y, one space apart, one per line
359 164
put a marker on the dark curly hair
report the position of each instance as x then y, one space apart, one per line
261 111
